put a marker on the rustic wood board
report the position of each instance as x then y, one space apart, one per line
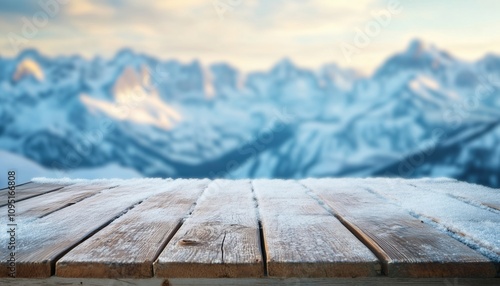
42 241
61 281
469 193
371 281
367 281
61 223
219 239
408 247
56 200
302 239
471 224
29 190
127 247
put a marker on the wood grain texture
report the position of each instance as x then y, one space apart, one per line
127 247
219 239
302 239
29 190
97 231
469 193
61 281
42 241
56 200
407 247
368 281
359 281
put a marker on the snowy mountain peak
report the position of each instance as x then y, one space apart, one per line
343 79
125 53
490 63
28 68
283 69
135 100
29 53
286 122
418 57
223 78
418 47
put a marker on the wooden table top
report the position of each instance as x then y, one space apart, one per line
253 229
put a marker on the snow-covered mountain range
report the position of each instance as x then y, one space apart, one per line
423 113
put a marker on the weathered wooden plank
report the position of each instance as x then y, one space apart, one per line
471 224
29 190
42 241
5 189
470 193
302 239
60 281
56 200
407 247
219 239
372 281
127 247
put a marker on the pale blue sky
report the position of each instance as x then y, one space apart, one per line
250 34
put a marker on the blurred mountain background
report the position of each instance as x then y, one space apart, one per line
422 113
243 89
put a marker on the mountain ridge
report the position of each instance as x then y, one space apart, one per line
336 122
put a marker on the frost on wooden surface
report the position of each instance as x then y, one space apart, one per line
304 239
288 203
473 225
478 195
219 239
128 246
41 240
464 211
128 182
408 247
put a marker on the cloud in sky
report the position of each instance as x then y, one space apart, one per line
253 34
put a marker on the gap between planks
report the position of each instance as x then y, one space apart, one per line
261 238
372 245
17 185
302 239
129 245
62 254
219 239
62 230
407 252
30 190
442 213
261 231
